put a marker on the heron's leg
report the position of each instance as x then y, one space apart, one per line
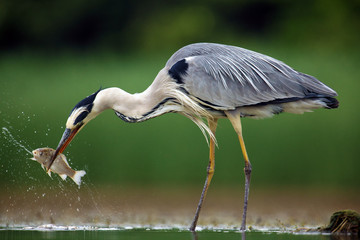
210 172
234 118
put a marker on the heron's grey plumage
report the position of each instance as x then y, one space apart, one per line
229 77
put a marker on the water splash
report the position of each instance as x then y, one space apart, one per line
9 136
37 191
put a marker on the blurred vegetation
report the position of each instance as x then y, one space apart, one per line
160 24
54 53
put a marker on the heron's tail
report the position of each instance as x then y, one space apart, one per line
330 102
309 104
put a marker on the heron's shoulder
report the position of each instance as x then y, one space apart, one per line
178 69
202 49
225 63
214 54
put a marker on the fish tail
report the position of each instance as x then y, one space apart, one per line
77 176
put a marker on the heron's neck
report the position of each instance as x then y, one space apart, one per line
130 107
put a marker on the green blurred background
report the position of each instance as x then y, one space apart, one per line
54 53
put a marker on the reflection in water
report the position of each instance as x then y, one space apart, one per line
344 237
142 234
195 235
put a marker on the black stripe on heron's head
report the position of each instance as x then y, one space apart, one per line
81 117
178 70
87 103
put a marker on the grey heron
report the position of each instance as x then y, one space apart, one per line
210 81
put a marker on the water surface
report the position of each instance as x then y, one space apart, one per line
158 235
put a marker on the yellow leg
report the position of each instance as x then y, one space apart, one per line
210 172
234 118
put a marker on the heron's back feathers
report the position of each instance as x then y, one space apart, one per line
227 77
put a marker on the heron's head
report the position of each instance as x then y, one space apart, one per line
79 116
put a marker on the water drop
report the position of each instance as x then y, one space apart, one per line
11 137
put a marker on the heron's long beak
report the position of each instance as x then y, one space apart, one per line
66 138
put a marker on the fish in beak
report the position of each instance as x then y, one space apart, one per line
66 138
81 114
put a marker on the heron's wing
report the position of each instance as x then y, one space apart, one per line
228 77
